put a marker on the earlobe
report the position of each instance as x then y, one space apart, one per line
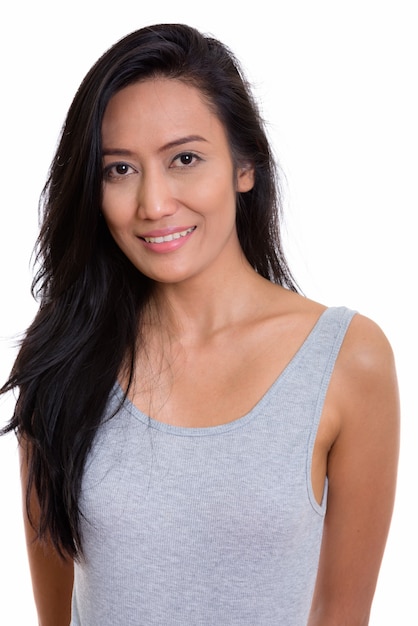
245 178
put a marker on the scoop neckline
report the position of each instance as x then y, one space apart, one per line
195 431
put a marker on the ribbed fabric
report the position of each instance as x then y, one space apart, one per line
209 526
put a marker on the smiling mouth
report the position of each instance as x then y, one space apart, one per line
171 237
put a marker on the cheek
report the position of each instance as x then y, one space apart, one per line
118 207
216 195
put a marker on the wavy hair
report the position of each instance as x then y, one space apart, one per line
91 297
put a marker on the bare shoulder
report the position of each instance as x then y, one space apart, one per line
364 388
366 345
366 364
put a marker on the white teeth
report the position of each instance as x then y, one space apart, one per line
183 233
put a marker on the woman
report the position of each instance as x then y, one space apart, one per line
200 443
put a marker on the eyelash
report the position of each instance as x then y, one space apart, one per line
107 172
194 157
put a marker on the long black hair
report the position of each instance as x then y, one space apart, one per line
91 297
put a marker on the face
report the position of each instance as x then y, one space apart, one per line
169 190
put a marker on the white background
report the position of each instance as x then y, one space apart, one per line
338 86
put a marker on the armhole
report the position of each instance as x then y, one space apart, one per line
340 321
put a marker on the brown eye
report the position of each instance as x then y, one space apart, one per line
185 159
117 170
121 169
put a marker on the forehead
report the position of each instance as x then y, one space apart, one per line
156 108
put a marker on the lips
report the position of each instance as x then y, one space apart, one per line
168 237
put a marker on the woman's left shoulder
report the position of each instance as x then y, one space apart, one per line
364 383
366 349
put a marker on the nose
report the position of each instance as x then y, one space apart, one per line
156 197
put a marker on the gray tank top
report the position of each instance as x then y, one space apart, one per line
210 526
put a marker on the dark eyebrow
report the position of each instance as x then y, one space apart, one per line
117 152
181 141
171 144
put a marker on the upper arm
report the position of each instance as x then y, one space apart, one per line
362 466
52 576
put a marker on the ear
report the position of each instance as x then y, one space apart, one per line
245 177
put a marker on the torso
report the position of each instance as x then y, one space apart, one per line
223 519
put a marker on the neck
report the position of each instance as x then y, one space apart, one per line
202 306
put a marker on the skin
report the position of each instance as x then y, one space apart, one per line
214 325
52 577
